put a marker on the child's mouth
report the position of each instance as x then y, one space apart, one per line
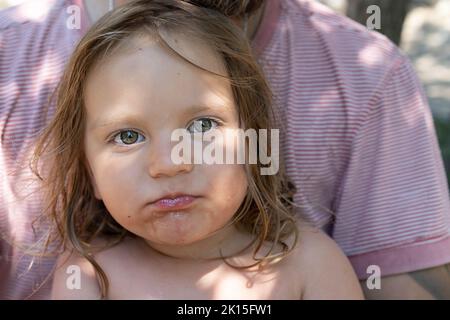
176 203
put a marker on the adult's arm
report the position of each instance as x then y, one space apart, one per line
393 204
432 283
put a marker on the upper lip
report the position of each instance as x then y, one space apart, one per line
173 195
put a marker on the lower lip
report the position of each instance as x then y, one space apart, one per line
177 203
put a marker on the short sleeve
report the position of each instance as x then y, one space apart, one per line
392 207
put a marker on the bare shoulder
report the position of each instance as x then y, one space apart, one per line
325 271
76 278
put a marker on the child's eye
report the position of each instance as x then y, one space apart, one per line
202 125
127 137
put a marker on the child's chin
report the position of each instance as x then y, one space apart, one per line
175 232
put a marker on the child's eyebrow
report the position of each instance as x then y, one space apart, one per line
113 121
136 119
202 108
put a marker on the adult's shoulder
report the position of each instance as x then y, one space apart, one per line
35 45
32 32
30 11
346 41
313 47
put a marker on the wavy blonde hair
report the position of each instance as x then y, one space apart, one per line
76 216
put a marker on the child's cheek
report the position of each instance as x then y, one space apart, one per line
220 178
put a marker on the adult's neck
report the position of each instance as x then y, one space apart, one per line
254 21
96 9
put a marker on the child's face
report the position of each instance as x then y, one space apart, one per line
134 101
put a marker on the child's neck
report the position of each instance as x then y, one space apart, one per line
227 242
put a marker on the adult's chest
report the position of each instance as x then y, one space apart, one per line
316 129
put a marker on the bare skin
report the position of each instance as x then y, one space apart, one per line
135 271
432 283
427 284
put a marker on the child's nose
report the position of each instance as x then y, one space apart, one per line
161 163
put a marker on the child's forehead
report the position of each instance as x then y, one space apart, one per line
130 78
177 44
